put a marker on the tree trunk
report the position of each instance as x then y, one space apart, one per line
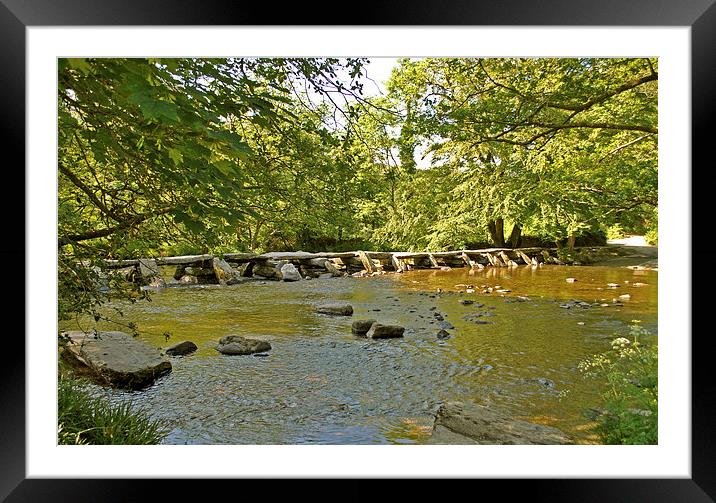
500 229
515 236
500 232
497 233
570 240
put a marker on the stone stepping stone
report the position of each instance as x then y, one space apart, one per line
181 348
380 331
335 309
237 345
361 327
115 359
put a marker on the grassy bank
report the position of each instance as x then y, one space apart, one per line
86 419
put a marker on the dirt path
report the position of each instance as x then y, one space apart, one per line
635 253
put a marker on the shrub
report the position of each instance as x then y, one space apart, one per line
86 419
615 232
630 402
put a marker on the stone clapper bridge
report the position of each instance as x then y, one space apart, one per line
231 268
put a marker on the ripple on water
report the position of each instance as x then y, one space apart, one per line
321 384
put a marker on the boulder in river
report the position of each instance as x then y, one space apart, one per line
380 331
290 273
318 262
237 345
336 309
148 268
188 279
225 274
115 359
443 334
361 327
461 423
181 348
332 268
267 269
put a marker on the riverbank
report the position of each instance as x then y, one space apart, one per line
634 252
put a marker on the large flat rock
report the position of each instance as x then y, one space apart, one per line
461 423
115 359
183 259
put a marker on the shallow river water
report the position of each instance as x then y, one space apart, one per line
321 384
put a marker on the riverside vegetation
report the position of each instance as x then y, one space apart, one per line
172 156
630 408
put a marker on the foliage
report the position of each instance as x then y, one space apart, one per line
630 370
86 419
181 156
652 224
615 231
155 154
559 146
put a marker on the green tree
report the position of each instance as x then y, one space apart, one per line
147 155
555 146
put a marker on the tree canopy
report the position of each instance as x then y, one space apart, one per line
184 155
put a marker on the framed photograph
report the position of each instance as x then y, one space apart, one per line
40 38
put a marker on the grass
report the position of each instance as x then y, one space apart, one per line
85 419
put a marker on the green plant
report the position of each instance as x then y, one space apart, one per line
630 402
615 231
85 419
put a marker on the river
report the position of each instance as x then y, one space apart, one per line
322 385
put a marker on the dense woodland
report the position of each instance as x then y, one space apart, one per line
178 156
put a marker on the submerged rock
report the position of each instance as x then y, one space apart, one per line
446 325
443 334
181 348
477 317
575 303
380 331
543 381
336 309
460 423
115 359
237 345
361 327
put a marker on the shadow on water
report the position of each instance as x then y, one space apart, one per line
321 384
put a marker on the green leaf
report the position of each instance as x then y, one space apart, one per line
175 155
190 223
153 108
228 168
233 140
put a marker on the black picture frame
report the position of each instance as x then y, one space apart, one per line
17 15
